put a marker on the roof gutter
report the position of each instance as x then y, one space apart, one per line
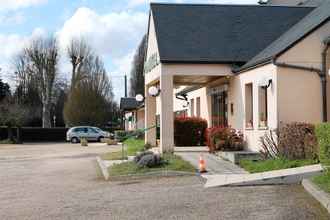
322 73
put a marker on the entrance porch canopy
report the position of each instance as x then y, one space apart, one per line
166 77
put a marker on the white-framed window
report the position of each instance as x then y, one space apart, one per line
192 107
263 107
249 105
198 107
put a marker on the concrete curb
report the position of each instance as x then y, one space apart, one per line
151 175
103 168
317 193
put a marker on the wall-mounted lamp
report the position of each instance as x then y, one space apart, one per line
265 83
139 98
154 91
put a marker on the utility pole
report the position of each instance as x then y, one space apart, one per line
125 86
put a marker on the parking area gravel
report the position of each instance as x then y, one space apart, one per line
59 181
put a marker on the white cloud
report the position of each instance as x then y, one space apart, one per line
111 34
16 4
11 19
11 45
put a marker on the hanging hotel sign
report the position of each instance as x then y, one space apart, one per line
217 90
151 63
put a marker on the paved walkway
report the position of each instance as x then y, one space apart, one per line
214 164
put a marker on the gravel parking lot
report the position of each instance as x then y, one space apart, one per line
59 181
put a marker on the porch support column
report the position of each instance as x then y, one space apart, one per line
150 118
166 114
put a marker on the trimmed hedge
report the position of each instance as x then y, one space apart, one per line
36 134
297 140
323 136
189 131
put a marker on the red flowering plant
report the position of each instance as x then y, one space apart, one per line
189 131
222 138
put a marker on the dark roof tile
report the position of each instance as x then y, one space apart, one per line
293 35
219 33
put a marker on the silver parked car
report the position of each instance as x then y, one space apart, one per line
90 133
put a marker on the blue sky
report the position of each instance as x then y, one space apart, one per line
113 27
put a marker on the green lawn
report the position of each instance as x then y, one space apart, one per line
117 155
7 141
275 164
323 181
132 146
174 163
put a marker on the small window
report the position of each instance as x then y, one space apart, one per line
198 107
192 107
249 105
263 108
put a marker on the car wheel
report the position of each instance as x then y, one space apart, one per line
100 139
74 140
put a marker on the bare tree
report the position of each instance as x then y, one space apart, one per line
89 99
78 51
42 60
137 75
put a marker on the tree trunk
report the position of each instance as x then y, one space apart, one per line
46 118
18 135
10 133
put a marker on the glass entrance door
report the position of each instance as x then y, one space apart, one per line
220 109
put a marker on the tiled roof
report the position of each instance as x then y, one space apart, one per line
197 33
301 29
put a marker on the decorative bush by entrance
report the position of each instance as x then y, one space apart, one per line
189 131
224 139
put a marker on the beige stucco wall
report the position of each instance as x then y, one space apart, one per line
299 96
140 124
152 76
205 104
236 95
196 69
307 53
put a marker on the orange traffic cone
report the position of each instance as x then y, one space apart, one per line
202 168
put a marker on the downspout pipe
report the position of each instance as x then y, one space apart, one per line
324 78
321 72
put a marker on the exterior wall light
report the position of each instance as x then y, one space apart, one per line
265 83
139 98
153 91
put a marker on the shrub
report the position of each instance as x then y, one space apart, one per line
189 131
297 141
269 144
148 146
224 139
122 135
323 137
